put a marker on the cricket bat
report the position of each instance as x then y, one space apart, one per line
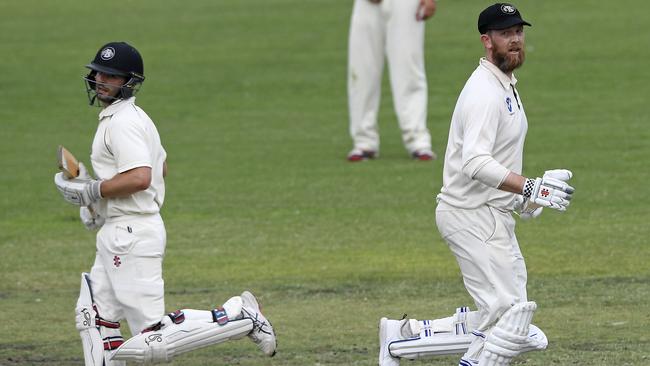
69 166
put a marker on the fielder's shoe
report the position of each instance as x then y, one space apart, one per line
424 155
389 330
361 155
262 334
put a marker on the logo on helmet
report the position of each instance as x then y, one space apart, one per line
508 9
108 53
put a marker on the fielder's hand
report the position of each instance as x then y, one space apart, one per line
91 220
551 190
426 9
81 191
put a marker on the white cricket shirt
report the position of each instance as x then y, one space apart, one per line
126 138
486 141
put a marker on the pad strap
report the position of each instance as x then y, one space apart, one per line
111 343
220 316
106 323
177 317
113 339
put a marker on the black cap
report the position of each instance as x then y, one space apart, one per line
499 16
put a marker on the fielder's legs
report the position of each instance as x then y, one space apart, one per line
405 49
365 66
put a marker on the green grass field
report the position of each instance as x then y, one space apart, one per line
250 101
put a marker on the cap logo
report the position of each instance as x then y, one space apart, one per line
107 53
508 9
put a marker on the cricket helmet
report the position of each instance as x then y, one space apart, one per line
116 58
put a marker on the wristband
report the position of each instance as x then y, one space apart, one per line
529 185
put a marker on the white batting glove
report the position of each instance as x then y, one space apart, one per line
526 209
83 173
80 192
91 220
559 174
551 190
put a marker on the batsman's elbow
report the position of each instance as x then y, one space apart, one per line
140 178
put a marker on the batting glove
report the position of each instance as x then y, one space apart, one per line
80 192
551 190
560 174
526 209
91 219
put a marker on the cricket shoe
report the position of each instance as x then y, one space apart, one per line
361 155
424 155
389 331
262 334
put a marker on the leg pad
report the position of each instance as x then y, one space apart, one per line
174 339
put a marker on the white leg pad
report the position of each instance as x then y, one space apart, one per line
434 345
91 340
436 337
537 340
174 339
462 322
510 336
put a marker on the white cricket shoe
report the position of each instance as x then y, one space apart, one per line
389 330
262 334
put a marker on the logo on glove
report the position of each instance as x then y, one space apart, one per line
545 192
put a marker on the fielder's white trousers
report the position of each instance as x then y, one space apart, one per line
126 278
486 248
387 30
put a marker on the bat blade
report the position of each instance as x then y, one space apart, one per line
68 164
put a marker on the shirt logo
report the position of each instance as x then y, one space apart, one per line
508 9
509 104
107 53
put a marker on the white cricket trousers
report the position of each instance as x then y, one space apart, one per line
387 30
486 248
126 278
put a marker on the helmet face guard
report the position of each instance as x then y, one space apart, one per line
127 90
120 59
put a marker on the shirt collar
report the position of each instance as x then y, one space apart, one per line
500 75
115 107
